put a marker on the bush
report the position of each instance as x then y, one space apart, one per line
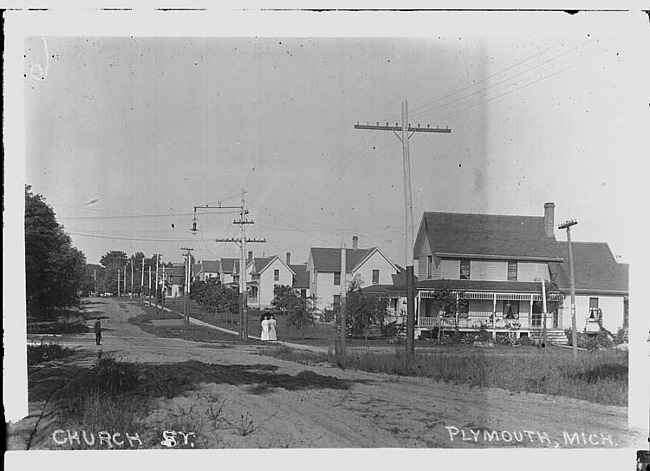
46 352
525 342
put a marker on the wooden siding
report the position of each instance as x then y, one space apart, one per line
611 306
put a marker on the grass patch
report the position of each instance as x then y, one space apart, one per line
599 377
196 333
56 327
45 352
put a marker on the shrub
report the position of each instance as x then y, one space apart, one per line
525 341
46 352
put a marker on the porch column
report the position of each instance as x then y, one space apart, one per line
494 317
530 313
456 310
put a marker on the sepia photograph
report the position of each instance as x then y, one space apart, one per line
374 231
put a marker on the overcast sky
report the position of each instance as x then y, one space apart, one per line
125 135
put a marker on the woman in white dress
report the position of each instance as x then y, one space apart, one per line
265 327
272 334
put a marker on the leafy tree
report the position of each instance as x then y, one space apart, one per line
363 311
299 311
447 300
213 295
54 269
112 261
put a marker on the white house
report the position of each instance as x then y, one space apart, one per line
367 266
262 276
206 269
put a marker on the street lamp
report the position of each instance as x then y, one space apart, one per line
574 334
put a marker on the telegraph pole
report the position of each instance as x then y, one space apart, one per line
149 290
344 315
407 132
142 280
188 269
242 241
156 286
118 282
132 260
574 334
125 279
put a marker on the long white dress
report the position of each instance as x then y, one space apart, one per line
272 335
265 330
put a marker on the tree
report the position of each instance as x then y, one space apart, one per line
212 295
54 268
112 261
447 300
363 311
299 311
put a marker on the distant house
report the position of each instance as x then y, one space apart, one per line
262 276
229 270
206 269
367 266
496 264
301 279
394 294
601 285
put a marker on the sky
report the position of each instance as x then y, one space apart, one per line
126 134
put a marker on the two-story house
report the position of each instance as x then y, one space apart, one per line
262 276
495 263
499 266
366 266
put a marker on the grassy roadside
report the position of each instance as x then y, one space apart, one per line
600 377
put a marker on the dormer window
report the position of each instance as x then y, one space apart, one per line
464 269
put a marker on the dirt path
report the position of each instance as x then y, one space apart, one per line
254 401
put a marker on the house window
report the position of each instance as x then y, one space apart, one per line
593 309
464 269
276 275
511 309
375 277
337 278
303 293
512 270
429 266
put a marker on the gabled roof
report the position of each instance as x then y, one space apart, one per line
595 269
210 266
301 276
487 235
259 264
229 265
329 259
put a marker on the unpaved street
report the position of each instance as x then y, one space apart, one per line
250 400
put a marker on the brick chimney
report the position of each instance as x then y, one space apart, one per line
288 258
549 219
355 242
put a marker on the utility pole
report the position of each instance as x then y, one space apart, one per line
544 313
163 289
132 260
125 278
149 290
405 129
574 334
142 280
243 221
156 287
344 315
95 277
118 282
187 254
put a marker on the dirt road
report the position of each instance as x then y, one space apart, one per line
253 401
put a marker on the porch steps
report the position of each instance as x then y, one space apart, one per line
553 336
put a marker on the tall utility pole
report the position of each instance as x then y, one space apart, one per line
156 285
242 241
574 334
188 269
407 132
149 290
344 315
125 278
118 282
142 281
132 260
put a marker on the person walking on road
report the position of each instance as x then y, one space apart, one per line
272 334
265 327
98 332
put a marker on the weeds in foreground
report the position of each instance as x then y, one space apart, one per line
46 352
599 377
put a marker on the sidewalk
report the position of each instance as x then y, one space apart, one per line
297 346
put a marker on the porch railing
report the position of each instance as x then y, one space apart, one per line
474 321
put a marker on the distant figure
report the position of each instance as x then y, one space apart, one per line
98 332
272 334
265 327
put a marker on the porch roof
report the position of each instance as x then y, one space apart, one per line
486 286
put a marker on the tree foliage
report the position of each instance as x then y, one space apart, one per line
299 310
363 311
212 295
54 269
